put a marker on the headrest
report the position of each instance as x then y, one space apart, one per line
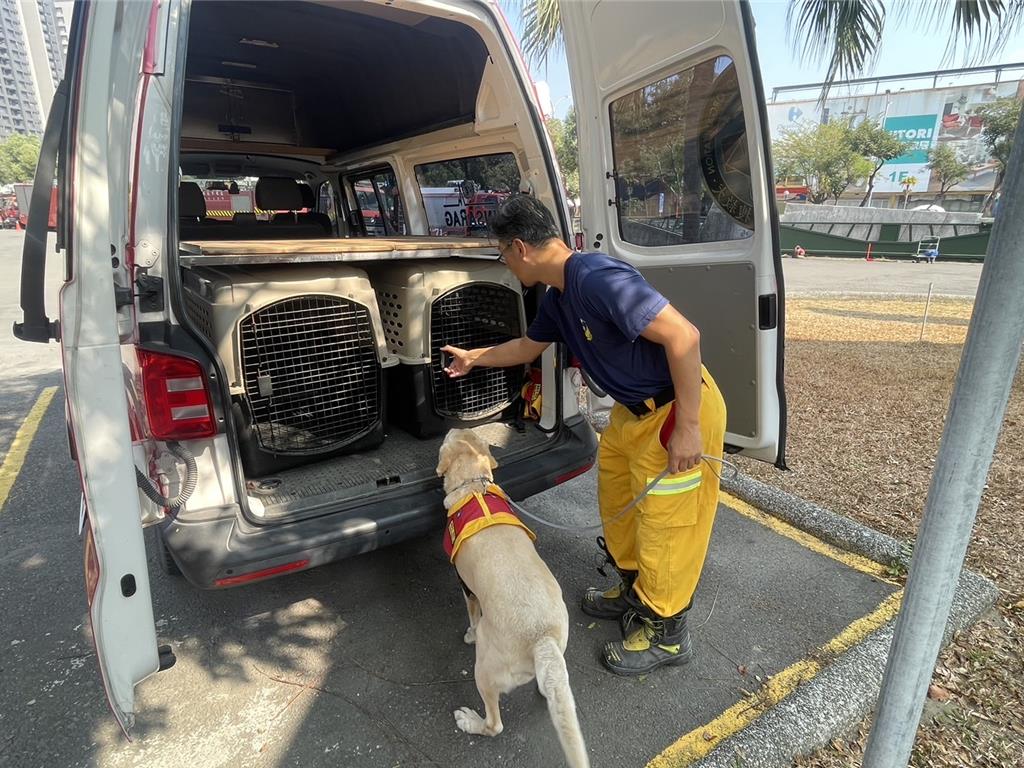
191 203
308 201
276 193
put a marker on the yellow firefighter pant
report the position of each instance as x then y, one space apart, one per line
664 537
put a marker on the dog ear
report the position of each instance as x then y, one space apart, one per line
444 459
494 462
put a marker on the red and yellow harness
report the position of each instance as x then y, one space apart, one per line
476 512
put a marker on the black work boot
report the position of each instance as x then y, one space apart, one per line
612 603
651 641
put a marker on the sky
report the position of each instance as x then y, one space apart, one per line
907 47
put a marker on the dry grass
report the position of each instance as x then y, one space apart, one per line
867 402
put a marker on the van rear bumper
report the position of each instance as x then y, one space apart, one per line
221 550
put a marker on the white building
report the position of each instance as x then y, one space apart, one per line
33 47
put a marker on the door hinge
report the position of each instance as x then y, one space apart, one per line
150 294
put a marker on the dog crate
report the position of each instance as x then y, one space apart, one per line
304 352
426 305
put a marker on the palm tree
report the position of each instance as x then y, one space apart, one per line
848 33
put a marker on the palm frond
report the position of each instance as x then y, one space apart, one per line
981 28
845 33
542 29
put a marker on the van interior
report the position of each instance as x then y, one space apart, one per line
338 163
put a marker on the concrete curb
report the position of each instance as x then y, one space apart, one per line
835 701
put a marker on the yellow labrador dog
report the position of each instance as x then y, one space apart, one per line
517 617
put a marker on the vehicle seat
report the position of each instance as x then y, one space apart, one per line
282 195
192 221
313 216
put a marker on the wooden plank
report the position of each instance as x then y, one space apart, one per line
333 246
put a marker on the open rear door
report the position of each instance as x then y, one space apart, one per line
105 61
676 179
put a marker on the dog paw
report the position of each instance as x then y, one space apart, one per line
470 637
468 720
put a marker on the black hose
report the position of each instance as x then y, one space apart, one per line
187 488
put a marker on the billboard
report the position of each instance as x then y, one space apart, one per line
927 117
920 130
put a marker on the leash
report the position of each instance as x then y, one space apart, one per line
643 494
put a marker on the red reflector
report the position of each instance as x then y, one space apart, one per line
579 241
574 473
243 578
177 400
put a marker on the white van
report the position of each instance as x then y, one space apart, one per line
266 388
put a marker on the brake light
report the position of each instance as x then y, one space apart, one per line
177 400
580 244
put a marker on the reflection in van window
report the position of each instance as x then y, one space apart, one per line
379 203
461 196
681 162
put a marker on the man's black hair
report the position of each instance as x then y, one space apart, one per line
525 218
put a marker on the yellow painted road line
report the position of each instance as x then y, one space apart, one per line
857 562
15 457
700 741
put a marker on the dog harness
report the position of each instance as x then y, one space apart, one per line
476 512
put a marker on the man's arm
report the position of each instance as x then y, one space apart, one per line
516 352
681 341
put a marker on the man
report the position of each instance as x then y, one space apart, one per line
668 414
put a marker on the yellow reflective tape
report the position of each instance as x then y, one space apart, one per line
660 490
689 477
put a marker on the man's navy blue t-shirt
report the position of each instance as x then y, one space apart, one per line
600 315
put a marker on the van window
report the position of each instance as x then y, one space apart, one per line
460 196
682 169
378 199
227 196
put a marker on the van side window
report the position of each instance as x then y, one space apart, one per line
379 201
460 196
682 168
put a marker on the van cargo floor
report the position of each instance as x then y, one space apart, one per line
402 458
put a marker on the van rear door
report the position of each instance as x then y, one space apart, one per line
105 74
676 179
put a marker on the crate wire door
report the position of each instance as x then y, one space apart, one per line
312 377
471 316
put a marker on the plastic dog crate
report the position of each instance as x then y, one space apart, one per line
304 352
426 305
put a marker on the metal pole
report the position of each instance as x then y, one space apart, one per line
977 405
927 306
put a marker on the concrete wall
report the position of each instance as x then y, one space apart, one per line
866 223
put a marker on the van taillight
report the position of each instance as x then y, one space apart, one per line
177 400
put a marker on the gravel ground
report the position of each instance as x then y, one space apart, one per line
867 401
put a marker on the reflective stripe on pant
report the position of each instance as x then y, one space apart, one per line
664 537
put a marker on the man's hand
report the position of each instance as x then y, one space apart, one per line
684 447
462 362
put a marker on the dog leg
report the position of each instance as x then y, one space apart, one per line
473 609
468 720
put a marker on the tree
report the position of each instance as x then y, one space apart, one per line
879 146
947 167
1000 120
908 183
563 137
18 157
824 156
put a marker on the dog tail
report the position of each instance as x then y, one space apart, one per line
553 682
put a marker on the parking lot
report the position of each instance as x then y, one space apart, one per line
361 663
